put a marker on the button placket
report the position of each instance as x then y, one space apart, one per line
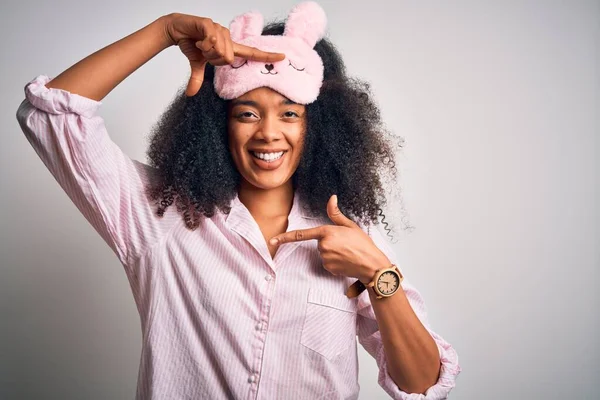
260 327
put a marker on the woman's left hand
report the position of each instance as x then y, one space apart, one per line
344 247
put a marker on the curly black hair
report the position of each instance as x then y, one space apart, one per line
347 149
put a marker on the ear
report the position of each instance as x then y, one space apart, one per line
245 25
306 21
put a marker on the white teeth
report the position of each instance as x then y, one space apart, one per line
268 156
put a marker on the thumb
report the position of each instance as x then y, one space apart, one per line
196 78
336 215
197 64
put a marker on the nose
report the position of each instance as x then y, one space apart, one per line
269 129
269 67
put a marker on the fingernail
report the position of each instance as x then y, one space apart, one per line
273 241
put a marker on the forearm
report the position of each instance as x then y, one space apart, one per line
99 73
412 355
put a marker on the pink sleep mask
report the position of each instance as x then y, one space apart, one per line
298 77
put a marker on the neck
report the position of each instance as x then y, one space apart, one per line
267 203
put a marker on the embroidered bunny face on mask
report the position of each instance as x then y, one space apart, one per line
298 77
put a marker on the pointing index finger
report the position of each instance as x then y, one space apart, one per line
300 234
254 54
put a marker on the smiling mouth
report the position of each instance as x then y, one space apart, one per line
252 153
268 73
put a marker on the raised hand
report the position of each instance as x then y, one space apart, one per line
202 40
344 247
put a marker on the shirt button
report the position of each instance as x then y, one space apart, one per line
251 379
268 277
258 327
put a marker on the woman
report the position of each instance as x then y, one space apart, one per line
255 149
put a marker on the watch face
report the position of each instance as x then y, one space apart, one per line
388 283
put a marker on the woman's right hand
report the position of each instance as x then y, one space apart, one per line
201 40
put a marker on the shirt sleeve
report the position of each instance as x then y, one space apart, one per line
370 337
106 185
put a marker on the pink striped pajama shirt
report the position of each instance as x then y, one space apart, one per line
220 318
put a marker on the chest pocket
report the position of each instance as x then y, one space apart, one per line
330 323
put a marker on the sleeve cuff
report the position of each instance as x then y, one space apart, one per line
440 391
58 101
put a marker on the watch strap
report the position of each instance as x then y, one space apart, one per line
355 289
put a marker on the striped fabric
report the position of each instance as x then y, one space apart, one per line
220 318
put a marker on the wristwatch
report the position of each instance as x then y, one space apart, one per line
385 283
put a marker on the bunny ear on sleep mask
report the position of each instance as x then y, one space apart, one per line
298 77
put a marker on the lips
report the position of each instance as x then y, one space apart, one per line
262 164
255 156
267 151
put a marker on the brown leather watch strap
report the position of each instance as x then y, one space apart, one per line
355 289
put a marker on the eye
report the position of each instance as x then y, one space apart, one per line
235 66
295 67
290 114
245 114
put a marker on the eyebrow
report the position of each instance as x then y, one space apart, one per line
237 102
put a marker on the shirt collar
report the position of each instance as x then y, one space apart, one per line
238 209
241 221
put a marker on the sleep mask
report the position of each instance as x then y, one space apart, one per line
298 77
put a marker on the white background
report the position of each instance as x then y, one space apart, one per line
498 103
